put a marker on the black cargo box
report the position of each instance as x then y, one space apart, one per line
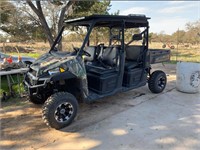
133 77
102 84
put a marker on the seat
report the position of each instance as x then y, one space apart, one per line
133 54
102 75
132 70
107 62
92 50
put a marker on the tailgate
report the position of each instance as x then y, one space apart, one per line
159 56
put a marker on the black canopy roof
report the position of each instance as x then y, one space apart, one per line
110 21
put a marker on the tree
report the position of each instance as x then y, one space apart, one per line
130 32
179 36
85 8
7 10
39 12
193 31
63 9
15 22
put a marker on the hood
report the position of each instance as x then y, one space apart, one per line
50 61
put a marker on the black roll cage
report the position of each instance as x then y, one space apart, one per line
123 22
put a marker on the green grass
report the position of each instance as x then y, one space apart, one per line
13 103
34 55
171 62
4 85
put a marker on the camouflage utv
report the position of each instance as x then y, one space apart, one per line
62 79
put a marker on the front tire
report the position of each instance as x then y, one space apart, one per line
59 110
157 81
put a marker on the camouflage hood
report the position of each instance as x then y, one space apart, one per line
50 61
65 60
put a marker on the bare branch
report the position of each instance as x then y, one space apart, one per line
42 19
33 18
29 2
39 6
62 14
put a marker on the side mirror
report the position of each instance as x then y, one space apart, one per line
137 37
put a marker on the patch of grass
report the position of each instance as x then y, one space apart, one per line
188 55
4 85
13 103
15 87
171 62
33 55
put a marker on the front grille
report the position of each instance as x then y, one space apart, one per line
31 81
29 78
33 72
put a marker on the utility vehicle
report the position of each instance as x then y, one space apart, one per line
62 79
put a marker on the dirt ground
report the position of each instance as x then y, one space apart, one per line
22 127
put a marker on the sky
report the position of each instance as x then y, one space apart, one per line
167 16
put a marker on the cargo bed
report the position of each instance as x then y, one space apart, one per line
159 56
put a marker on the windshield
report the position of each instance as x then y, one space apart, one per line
71 39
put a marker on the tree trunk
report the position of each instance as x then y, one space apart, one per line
38 11
61 20
42 19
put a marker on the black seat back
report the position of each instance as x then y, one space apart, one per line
110 56
133 52
92 51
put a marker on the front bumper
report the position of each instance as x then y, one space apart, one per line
34 85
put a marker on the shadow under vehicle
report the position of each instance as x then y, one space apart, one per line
62 79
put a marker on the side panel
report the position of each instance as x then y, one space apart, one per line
62 76
102 84
77 67
159 56
134 77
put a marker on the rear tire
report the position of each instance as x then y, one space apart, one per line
157 81
59 110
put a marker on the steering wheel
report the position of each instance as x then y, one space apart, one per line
86 53
76 49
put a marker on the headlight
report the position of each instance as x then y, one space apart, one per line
54 71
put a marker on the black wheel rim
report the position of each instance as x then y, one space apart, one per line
161 82
64 112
